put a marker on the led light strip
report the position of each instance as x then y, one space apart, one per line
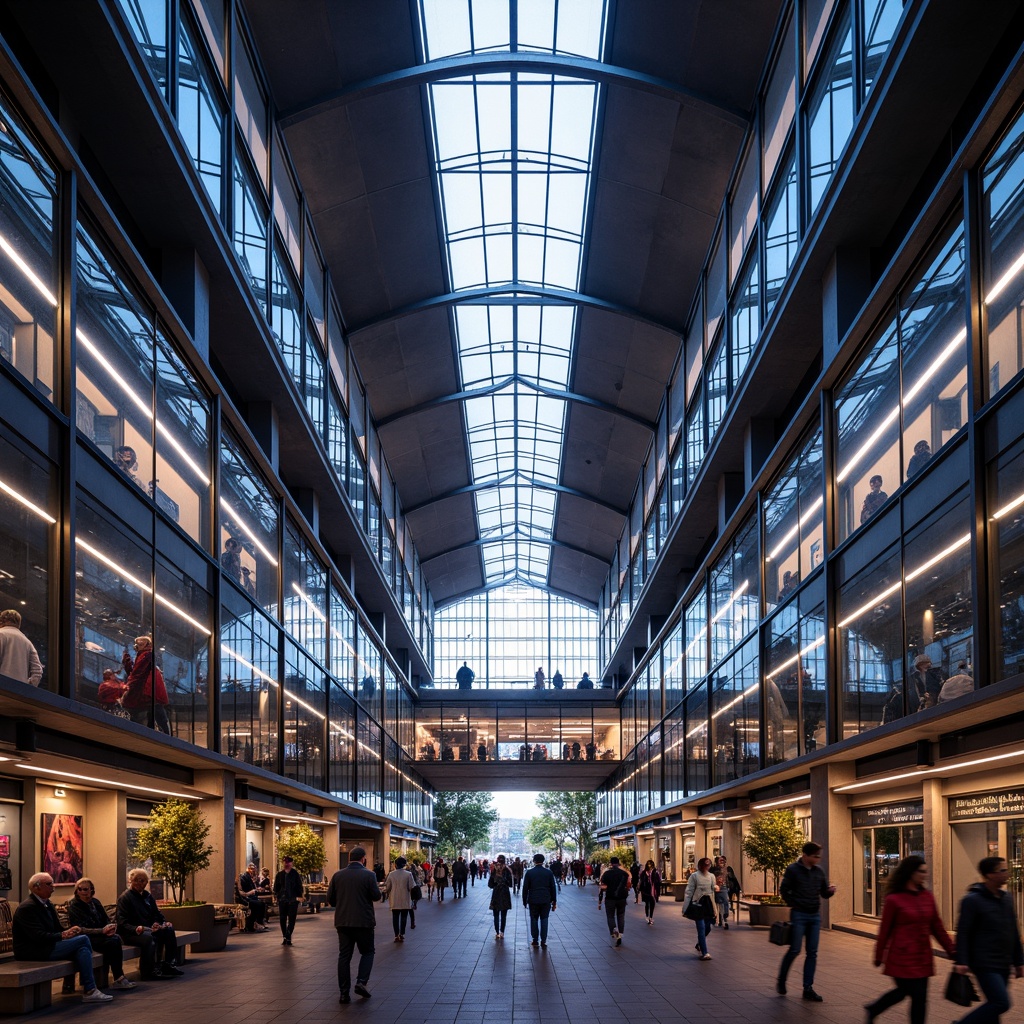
801 799
852 787
791 533
246 530
20 498
105 782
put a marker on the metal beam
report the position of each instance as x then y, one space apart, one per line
505 480
513 295
515 535
492 389
500 63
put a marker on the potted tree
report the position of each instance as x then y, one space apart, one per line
309 855
772 843
175 841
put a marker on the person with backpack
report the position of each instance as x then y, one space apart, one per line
441 878
615 885
500 884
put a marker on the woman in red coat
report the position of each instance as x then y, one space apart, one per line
909 920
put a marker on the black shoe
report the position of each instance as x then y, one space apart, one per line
780 986
618 941
534 943
344 998
362 990
811 996
726 926
870 1014
544 945
696 946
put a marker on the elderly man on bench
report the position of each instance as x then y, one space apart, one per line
38 935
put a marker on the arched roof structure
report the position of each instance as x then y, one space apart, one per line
515 211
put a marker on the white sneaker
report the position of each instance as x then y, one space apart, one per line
96 996
615 933
501 935
123 984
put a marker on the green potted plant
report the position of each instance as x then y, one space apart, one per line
174 839
772 843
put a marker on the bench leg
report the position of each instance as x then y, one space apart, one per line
27 999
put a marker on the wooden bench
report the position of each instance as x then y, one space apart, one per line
27 985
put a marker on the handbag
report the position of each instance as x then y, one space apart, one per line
960 989
416 892
779 933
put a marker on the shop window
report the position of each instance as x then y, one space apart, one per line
249 513
1006 500
114 371
1003 259
939 602
305 594
696 654
28 273
745 317
249 688
868 466
781 232
148 22
27 543
717 387
735 715
871 651
250 233
830 112
881 18
695 445
305 717
181 488
933 348
199 116
697 741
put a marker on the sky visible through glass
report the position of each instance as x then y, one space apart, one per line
513 155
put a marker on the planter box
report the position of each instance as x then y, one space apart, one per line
213 934
766 914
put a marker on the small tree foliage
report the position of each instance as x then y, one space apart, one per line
175 840
773 841
626 855
545 833
305 848
573 816
462 820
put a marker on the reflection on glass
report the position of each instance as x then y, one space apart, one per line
830 117
1006 488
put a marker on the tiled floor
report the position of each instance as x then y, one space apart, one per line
451 970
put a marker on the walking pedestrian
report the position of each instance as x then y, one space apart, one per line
460 874
287 892
540 895
500 884
634 872
614 887
700 895
988 941
428 874
803 887
518 867
441 876
909 920
722 894
398 889
650 889
353 892
473 869
417 884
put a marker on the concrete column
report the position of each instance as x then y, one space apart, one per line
638 656
830 826
758 442
309 505
655 624
332 842
845 285
216 884
263 422
936 849
730 494
186 283
379 623
106 864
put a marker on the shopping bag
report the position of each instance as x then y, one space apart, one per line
960 989
779 933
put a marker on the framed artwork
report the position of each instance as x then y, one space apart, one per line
62 847
5 846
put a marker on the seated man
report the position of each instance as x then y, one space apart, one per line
140 923
85 911
248 886
38 935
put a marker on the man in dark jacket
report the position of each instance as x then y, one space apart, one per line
353 892
287 892
472 872
460 874
38 935
615 885
988 941
540 894
803 887
140 923
247 884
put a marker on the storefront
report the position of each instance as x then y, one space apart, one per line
882 836
987 825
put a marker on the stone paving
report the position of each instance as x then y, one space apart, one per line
452 970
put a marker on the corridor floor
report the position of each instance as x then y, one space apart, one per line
451 970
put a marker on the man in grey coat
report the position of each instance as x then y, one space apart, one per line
353 892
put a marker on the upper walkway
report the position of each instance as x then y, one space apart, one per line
451 970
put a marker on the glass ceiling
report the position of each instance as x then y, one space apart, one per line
513 154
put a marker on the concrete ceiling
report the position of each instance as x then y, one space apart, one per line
359 136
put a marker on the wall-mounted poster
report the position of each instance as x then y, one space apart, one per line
62 847
5 846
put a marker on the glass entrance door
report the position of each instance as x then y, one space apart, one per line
878 851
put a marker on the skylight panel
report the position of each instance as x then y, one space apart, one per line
513 159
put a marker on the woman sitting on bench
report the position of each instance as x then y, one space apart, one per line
87 912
